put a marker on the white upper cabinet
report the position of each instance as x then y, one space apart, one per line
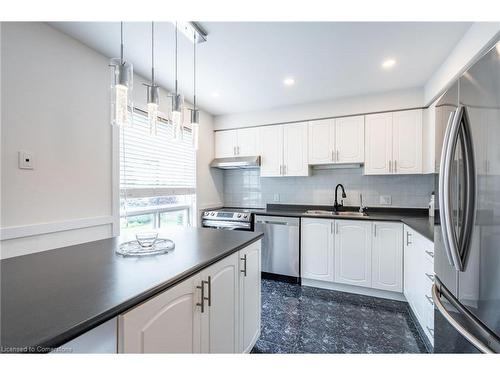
295 150
340 140
353 252
283 149
350 139
407 142
317 249
239 142
394 143
226 143
378 143
322 142
387 256
271 150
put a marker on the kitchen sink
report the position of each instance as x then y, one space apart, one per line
335 213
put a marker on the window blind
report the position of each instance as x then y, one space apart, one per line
155 165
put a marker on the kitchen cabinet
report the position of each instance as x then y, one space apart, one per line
339 140
387 256
238 142
283 149
214 311
394 143
219 333
353 252
317 252
167 323
418 278
249 304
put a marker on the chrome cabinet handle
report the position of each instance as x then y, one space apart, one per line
429 276
429 299
209 299
333 155
234 150
284 170
429 253
244 270
238 149
395 167
390 166
202 301
408 243
331 227
374 230
337 228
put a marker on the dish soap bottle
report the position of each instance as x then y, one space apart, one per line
431 206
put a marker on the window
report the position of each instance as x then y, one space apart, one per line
157 177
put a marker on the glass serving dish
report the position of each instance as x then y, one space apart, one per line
134 248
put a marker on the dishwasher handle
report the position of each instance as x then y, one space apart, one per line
276 221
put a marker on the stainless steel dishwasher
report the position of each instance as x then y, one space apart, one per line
280 245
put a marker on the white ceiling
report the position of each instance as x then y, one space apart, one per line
245 62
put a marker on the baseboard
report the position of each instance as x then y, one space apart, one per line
354 289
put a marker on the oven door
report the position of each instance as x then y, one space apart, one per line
226 225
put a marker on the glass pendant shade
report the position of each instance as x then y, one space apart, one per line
153 104
177 121
122 75
195 127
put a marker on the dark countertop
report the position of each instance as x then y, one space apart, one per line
51 297
416 218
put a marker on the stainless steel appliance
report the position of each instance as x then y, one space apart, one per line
228 219
467 237
236 162
280 245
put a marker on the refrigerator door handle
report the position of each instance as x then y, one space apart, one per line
457 248
437 292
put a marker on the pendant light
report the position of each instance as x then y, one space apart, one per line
177 100
153 90
122 75
195 114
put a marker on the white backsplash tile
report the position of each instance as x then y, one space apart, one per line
245 188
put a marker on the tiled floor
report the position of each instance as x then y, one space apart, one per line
301 319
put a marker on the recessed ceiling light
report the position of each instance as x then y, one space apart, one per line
289 81
389 63
215 94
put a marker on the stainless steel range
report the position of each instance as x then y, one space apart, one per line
228 219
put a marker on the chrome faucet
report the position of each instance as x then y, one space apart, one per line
336 204
361 207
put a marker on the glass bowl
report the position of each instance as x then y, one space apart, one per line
146 239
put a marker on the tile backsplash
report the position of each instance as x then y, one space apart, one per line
245 188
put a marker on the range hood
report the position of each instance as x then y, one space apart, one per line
237 162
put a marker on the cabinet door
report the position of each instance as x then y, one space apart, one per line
407 142
225 143
295 149
317 249
248 142
167 323
321 141
378 143
219 329
350 139
271 150
250 304
353 252
387 256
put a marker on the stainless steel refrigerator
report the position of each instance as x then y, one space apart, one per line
467 232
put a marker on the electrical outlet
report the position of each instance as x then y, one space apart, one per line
276 197
25 159
385 200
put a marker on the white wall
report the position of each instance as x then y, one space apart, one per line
476 39
388 101
55 96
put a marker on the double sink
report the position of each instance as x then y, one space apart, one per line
335 213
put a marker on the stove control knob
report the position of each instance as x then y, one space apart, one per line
239 215
245 216
213 213
205 213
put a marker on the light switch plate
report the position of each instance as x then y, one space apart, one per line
276 197
386 200
25 159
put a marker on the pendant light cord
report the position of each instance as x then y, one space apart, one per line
176 29
194 72
152 53
121 43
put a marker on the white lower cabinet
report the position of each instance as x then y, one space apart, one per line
176 322
249 277
317 249
387 256
353 252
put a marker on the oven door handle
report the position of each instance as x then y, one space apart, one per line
225 224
